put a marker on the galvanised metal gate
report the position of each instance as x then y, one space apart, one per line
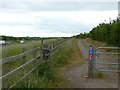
103 59
107 59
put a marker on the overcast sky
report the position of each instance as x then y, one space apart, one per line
53 18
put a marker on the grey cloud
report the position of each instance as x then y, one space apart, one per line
61 25
54 25
58 6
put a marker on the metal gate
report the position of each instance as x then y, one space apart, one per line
106 59
103 59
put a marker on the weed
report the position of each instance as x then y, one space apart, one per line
46 72
99 75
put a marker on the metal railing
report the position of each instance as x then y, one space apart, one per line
107 61
103 59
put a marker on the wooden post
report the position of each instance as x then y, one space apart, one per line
42 40
53 46
91 62
50 47
34 62
35 54
24 60
41 50
5 70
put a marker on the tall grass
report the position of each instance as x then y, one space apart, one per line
47 75
11 50
15 49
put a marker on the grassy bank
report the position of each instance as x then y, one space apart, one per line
15 49
48 74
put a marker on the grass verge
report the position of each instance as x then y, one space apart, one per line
47 75
99 75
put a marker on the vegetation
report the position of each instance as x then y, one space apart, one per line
105 32
82 35
14 49
99 75
18 39
109 33
47 75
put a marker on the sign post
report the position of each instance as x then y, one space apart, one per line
91 62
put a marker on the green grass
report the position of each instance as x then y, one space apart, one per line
15 49
11 50
61 58
34 82
99 75
47 75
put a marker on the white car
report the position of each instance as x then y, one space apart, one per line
2 43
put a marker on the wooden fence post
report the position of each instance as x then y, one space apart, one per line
50 46
53 46
24 60
42 41
35 54
91 62
5 70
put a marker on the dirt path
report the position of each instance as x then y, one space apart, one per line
77 74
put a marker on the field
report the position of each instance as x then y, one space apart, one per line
47 74
14 49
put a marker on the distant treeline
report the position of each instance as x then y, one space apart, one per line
17 39
11 38
106 32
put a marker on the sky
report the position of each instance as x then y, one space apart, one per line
54 18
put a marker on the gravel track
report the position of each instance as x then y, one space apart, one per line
77 74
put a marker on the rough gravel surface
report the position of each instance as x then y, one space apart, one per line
77 75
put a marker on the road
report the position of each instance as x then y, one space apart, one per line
77 75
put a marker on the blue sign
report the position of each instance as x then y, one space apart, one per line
90 52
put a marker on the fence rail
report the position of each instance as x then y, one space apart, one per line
106 60
108 48
12 58
103 59
34 62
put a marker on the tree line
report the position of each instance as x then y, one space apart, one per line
18 39
105 32
11 38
